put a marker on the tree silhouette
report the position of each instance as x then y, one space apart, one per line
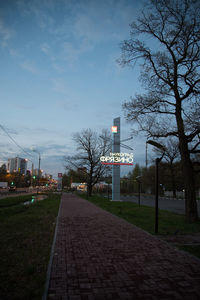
90 147
169 47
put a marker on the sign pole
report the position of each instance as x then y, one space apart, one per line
59 185
116 168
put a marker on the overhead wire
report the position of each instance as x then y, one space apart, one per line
2 127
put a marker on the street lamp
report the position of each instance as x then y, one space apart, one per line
138 179
38 165
146 156
163 149
31 171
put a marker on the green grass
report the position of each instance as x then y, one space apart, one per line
169 223
12 201
26 235
144 216
194 249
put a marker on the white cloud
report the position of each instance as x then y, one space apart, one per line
99 21
38 9
29 66
78 27
67 105
45 48
72 51
6 34
60 85
24 107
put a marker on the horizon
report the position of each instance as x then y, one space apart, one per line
59 76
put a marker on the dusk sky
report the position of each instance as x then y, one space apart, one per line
59 75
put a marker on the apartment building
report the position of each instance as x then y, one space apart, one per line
17 164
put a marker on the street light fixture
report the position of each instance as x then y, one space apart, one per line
157 145
38 165
138 179
158 160
31 171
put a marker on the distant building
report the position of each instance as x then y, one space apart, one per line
79 186
48 176
17 164
36 173
12 166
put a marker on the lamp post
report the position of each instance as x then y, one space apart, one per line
38 166
31 174
158 160
138 179
146 156
31 181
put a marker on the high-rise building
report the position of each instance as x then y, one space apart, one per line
35 172
11 165
17 164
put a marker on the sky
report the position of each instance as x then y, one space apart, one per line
59 75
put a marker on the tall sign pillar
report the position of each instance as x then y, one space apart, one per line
116 168
59 185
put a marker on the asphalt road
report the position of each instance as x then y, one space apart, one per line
177 206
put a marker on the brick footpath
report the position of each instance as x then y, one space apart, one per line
98 256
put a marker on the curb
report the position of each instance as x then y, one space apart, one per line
45 294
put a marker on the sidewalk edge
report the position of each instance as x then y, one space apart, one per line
44 297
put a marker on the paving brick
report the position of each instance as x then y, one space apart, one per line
100 256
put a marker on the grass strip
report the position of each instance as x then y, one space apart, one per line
15 200
193 249
26 233
144 217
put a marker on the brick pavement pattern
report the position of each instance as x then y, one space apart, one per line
99 256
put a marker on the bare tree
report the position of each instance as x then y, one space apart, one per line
169 47
90 147
170 155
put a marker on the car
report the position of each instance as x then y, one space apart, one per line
12 188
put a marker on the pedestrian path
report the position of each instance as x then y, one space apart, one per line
98 256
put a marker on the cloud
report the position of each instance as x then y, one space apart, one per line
38 9
79 27
4 130
60 85
24 107
45 48
6 34
30 67
100 21
14 53
54 149
67 105
72 51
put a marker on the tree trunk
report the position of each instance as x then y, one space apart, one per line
189 183
173 180
89 190
188 173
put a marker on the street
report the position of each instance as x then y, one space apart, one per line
174 205
19 191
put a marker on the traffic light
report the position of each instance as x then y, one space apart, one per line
34 177
12 183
